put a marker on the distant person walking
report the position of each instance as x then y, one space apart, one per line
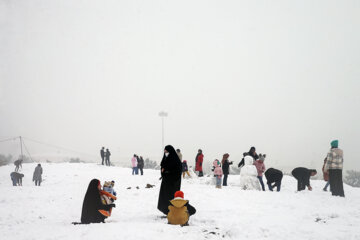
199 162
18 164
171 178
185 169
37 175
179 154
107 157
302 176
260 167
134 164
325 176
102 154
274 177
16 178
140 165
334 165
225 163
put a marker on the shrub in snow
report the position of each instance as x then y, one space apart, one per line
148 164
352 178
4 160
74 160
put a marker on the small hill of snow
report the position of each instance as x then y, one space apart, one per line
46 212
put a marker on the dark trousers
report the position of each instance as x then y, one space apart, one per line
201 174
261 182
141 171
14 181
107 162
277 185
301 185
37 182
336 183
225 179
102 160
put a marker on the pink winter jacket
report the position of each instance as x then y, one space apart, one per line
134 162
260 167
218 171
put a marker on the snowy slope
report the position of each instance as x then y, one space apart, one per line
46 212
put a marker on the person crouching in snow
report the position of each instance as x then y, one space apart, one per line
302 176
218 172
260 167
93 203
180 210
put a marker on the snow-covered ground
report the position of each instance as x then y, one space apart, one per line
46 212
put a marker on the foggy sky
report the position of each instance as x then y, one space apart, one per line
282 76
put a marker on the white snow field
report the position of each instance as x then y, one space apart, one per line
46 212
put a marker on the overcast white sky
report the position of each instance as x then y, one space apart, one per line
282 76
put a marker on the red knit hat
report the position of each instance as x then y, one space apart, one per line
179 194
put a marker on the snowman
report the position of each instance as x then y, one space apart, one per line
248 175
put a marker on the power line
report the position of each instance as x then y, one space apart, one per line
58 147
27 150
9 139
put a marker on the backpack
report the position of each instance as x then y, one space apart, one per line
178 213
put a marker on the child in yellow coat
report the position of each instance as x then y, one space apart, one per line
180 210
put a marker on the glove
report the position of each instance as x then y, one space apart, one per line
112 205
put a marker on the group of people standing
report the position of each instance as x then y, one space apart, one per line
105 155
137 164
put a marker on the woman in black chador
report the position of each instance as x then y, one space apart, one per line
92 204
171 169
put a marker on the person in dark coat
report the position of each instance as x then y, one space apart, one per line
92 204
107 157
171 169
37 175
18 164
225 163
273 177
302 176
16 178
252 153
102 154
141 165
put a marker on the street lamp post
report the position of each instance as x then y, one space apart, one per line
163 114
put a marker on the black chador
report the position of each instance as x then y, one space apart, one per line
171 178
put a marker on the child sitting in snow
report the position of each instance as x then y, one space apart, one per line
180 210
218 172
108 196
109 187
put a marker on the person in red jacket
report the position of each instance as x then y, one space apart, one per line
199 161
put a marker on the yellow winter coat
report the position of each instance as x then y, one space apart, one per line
178 213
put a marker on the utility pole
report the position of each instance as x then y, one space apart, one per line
22 156
162 114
